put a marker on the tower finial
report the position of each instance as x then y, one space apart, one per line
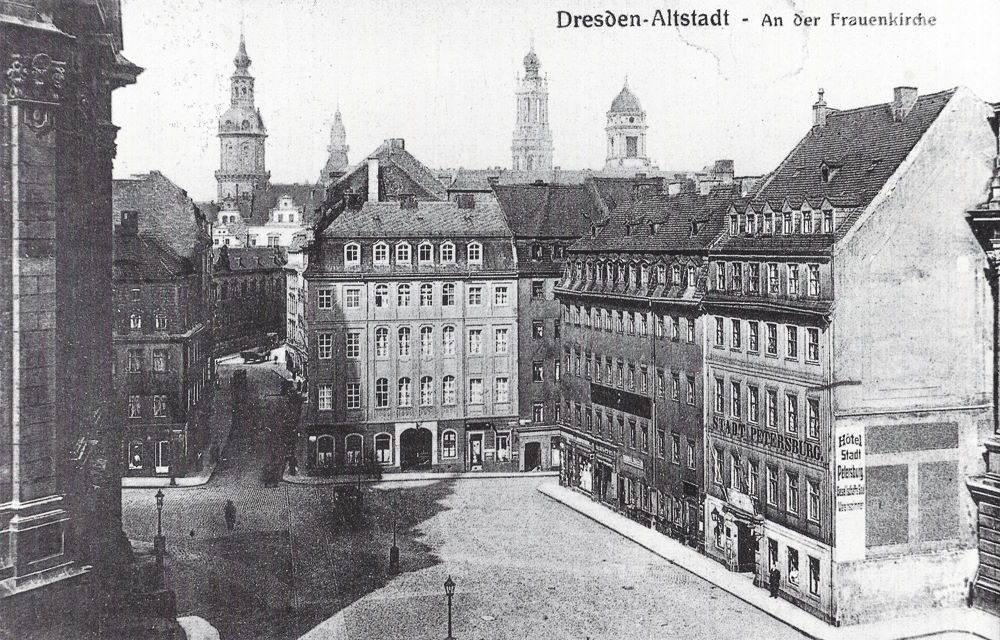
242 60
626 81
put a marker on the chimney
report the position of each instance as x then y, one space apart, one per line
819 111
130 223
407 201
903 99
396 143
373 194
465 201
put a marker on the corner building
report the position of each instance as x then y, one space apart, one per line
847 378
632 352
413 339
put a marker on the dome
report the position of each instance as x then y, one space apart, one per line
626 102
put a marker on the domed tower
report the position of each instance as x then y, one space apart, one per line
241 136
336 162
626 131
531 149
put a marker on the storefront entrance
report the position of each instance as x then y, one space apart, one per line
475 451
532 456
415 446
746 548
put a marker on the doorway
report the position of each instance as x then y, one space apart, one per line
476 451
746 548
532 456
415 447
163 456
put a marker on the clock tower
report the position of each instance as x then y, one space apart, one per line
241 136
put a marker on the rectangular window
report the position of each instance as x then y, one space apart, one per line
720 332
675 448
690 330
717 466
813 279
772 339
324 345
538 412
812 506
631 377
353 345
537 289
772 486
475 342
134 407
735 406
828 221
720 395
752 488
753 397
557 372
159 360
353 395
675 386
753 277
556 328
537 371
792 333
812 344
812 427
475 390
644 437
352 298
773 285
134 361
324 397
690 454
791 413
753 336
324 299
159 406
643 378
771 409
814 576
502 391
501 341
537 329
792 492
690 390
736 338
475 296
793 279
738 277
720 276
448 294
501 295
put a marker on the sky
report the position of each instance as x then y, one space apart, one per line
441 74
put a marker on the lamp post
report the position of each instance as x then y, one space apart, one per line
394 550
159 542
449 590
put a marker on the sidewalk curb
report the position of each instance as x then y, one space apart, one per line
413 477
938 623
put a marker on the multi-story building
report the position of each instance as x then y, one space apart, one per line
412 336
249 298
846 371
163 353
632 387
60 474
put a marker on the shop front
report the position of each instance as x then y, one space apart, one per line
735 531
605 478
577 470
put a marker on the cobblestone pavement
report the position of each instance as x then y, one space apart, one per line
524 565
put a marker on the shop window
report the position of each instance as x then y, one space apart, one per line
449 446
793 567
324 451
135 459
503 446
383 448
353 445
813 576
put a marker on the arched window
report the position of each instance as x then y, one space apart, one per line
382 393
135 321
448 253
352 254
448 341
425 253
404 342
449 444
426 294
324 451
403 295
402 253
426 342
383 448
404 396
426 391
380 254
353 448
475 253
381 295
448 390
381 342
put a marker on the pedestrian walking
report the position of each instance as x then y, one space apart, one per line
774 580
229 511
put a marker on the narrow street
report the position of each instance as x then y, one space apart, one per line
525 566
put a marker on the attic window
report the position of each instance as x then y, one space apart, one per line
827 173
628 229
593 234
653 228
695 227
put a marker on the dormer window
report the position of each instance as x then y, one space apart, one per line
653 228
628 229
695 228
593 233
475 253
645 275
402 253
751 223
380 254
824 173
448 253
828 221
690 276
425 253
291 217
787 226
734 224
536 252
661 273
807 222
352 254
768 223
281 217
675 274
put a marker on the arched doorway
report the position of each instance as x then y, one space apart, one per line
415 446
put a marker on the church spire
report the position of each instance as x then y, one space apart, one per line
531 148
242 60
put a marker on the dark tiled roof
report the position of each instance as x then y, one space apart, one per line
626 102
165 211
429 219
143 256
248 259
473 179
392 152
548 211
863 147
673 216
307 196
612 193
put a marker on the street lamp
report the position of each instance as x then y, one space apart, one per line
159 542
394 550
449 590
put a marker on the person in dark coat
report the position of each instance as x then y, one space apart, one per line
774 580
229 511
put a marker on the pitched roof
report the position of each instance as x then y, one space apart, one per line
429 219
165 211
248 258
144 257
393 152
548 210
474 179
860 149
309 196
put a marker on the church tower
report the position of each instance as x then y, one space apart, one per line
532 145
626 132
336 162
241 136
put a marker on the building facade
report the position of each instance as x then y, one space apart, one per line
531 149
412 337
845 395
163 354
249 298
60 473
